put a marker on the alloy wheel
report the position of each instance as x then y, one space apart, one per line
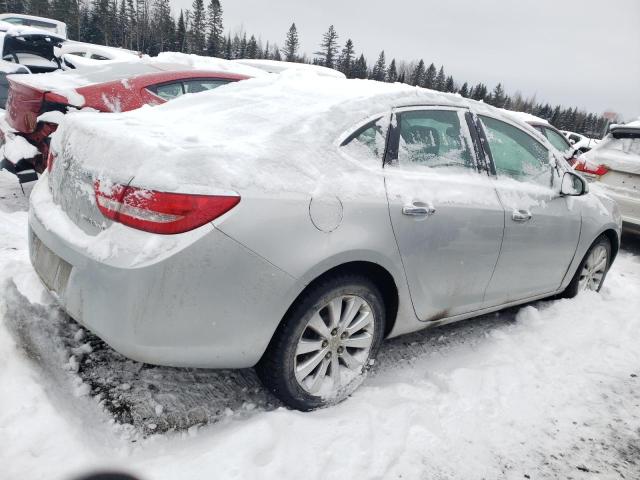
334 346
594 269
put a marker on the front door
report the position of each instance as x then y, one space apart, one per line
446 215
542 228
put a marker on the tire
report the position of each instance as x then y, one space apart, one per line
576 286
356 298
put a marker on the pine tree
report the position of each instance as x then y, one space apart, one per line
392 72
379 70
39 8
291 44
346 60
329 47
360 69
276 54
181 34
440 80
417 75
252 48
430 77
479 92
497 97
449 85
197 33
228 48
242 51
464 90
215 37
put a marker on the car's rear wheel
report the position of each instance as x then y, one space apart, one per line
323 349
592 270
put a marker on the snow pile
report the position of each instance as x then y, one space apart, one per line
200 62
275 66
16 148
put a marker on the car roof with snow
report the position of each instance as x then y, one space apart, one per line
258 132
524 117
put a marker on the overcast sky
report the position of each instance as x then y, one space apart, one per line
583 53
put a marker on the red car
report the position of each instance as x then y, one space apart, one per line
116 87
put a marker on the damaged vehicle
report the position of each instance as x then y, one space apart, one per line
291 223
36 102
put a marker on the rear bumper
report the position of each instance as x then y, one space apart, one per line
210 303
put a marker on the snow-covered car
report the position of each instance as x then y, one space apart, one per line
614 165
42 23
292 222
110 87
29 46
580 142
8 68
555 136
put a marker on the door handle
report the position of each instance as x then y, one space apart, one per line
521 215
414 210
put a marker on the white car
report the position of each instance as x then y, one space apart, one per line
41 23
580 142
614 165
80 54
29 46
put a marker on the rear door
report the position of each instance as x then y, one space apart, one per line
446 215
542 228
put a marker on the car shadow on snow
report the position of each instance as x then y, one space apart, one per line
155 399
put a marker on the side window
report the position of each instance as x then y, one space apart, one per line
197 86
515 153
168 91
95 56
557 140
368 142
432 138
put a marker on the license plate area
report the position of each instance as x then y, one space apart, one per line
52 270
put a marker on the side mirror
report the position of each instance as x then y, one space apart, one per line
573 185
572 142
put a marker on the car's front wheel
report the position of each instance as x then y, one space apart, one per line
593 268
322 350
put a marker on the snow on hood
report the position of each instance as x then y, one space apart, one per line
276 133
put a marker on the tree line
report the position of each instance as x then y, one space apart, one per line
149 26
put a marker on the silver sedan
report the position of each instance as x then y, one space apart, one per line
459 211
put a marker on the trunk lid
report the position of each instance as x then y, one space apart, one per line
71 182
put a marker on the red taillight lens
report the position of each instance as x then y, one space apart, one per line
160 212
50 159
582 166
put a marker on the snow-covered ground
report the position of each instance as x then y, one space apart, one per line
550 390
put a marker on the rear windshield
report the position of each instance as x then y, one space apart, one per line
113 71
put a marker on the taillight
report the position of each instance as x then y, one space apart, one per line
583 166
160 212
50 159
